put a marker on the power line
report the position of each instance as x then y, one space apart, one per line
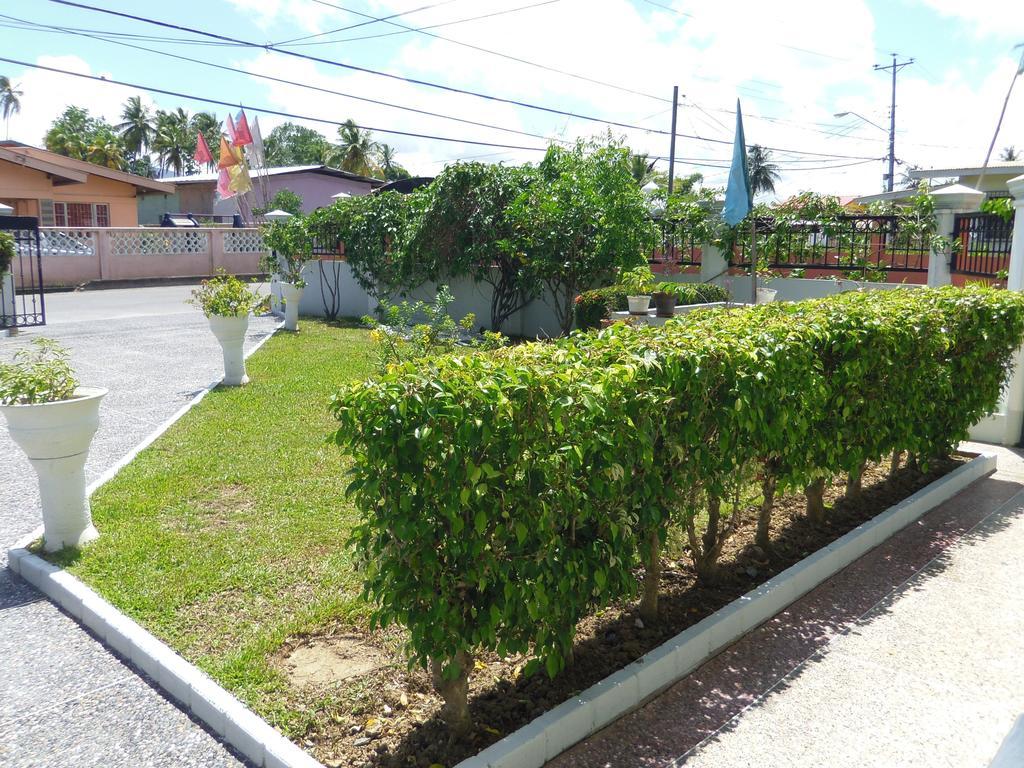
365 23
47 27
426 83
480 49
265 110
353 67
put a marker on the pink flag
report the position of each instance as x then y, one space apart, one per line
224 189
242 134
203 156
229 124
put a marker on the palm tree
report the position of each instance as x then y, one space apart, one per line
1009 154
641 168
356 151
207 124
763 172
106 149
136 128
10 101
174 141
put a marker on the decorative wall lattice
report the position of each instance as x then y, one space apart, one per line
243 241
67 242
147 242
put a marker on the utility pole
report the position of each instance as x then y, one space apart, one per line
895 67
672 142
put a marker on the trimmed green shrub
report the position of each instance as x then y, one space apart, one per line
504 496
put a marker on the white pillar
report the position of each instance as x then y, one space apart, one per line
949 201
712 264
1004 426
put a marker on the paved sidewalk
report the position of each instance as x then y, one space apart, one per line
64 699
911 657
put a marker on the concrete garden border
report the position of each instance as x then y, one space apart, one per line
194 690
629 688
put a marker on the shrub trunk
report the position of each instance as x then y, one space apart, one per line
652 579
815 494
764 517
854 484
706 549
454 691
894 462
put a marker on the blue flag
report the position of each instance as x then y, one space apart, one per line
738 197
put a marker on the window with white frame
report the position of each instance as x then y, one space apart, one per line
81 214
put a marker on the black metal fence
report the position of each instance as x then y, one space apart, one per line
848 244
21 292
983 245
676 245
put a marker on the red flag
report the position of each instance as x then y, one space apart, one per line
203 156
242 134
231 128
224 185
227 157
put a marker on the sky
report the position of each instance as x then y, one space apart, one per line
793 64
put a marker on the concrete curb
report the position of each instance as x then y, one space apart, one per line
576 719
197 693
182 681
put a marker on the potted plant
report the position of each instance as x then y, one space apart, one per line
666 296
638 283
53 419
290 248
227 302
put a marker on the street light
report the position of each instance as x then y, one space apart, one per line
855 114
888 176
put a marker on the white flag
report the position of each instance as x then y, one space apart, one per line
257 143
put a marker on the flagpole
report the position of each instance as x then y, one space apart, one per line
753 260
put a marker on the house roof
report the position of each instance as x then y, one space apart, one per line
67 170
324 170
1015 168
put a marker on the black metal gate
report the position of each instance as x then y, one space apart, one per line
21 292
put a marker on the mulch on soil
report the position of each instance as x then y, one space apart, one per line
389 717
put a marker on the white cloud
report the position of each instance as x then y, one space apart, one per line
994 19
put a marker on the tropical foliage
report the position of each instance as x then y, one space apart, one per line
505 496
548 231
10 98
39 373
763 172
224 295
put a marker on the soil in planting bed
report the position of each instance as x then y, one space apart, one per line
374 713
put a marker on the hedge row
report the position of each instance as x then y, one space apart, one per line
594 306
505 496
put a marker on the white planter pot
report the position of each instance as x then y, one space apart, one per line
291 295
766 295
638 305
7 304
230 332
56 438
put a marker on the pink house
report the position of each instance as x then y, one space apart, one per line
317 185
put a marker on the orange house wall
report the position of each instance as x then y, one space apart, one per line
23 188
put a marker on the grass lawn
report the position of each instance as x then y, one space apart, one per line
227 534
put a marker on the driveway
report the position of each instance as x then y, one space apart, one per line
64 699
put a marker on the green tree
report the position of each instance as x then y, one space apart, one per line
387 164
78 135
285 200
641 168
106 149
174 142
291 144
356 151
581 220
1009 154
10 101
763 172
136 127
